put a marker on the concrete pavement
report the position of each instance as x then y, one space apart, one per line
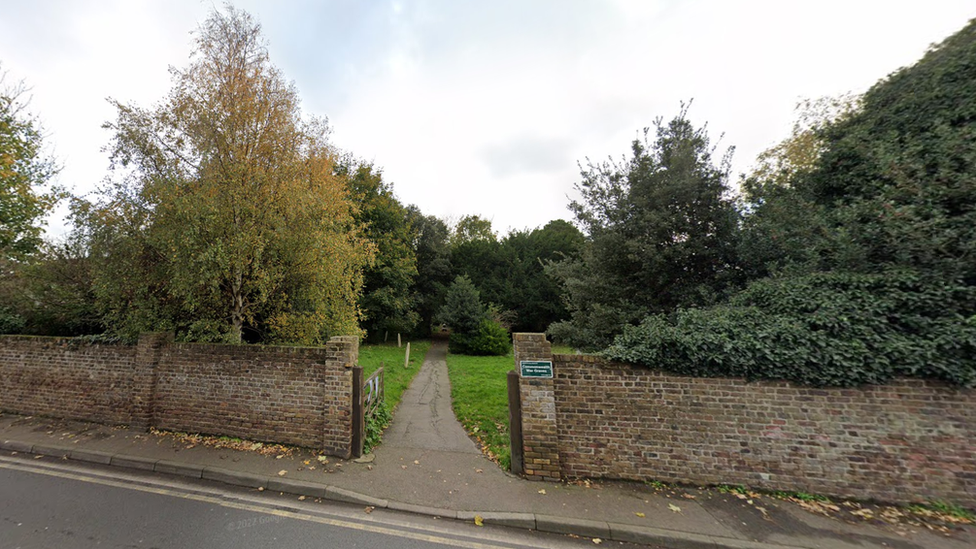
428 465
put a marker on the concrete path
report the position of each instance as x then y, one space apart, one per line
425 419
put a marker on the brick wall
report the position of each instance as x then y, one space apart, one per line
64 378
910 440
293 395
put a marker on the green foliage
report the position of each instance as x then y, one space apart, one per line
480 397
473 332
662 234
433 254
510 273
491 338
225 220
387 304
24 175
472 228
463 310
10 321
375 425
830 329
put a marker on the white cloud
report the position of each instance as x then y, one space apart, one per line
482 108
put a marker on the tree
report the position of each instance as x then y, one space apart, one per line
387 303
226 216
780 219
434 268
510 273
463 310
661 229
25 172
473 331
472 228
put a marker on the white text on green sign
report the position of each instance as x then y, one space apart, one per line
536 368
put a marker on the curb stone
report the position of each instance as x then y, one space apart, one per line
52 451
177 468
542 523
347 496
580 527
16 446
513 520
91 456
133 462
236 478
298 487
422 510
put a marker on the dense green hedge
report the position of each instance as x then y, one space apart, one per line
491 338
826 329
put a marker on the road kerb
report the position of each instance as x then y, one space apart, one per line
237 478
134 462
16 446
422 510
90 456
179 468
579 527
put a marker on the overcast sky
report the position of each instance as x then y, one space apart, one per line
479 107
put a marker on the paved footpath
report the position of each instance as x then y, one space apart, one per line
428 465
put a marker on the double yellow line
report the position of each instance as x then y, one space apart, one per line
454 542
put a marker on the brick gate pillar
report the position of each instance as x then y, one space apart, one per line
538 397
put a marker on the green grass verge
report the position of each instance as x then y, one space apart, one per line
479 391
396 377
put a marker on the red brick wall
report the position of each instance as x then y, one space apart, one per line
292 395
910 440
64 378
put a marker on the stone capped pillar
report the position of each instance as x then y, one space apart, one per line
538 398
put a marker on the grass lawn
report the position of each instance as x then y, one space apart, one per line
396 377
479 391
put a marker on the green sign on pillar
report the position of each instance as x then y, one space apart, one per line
536 368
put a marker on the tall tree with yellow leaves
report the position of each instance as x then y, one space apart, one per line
226 221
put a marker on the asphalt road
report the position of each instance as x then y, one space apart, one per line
49 503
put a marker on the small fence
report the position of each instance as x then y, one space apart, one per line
367 398
373 393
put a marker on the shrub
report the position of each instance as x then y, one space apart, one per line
827 329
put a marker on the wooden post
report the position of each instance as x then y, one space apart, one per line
358 414
406 359
398 340
515 423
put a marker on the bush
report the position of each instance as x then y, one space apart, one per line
491 338
833 329
10 321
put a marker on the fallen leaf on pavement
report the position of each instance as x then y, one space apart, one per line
674 508
543 491
415 462
301 498
478 521
641 515
687 496
369 509
306 462
282 473
260 488
597 541
403 466
279 456
322 459
479 471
